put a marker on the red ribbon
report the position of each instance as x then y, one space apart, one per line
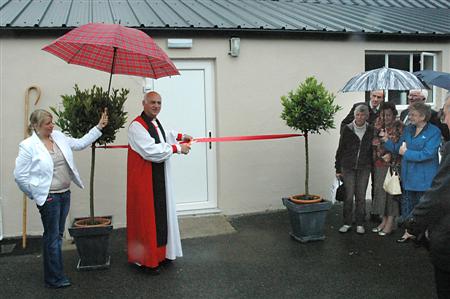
111 146
224 139
243 138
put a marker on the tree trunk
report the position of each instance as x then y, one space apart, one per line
91 191
307 165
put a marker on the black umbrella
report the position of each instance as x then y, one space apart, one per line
439 79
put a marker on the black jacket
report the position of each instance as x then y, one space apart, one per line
434 120
433 213
353 153
373 114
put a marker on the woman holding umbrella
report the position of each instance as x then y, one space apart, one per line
44 170
384 204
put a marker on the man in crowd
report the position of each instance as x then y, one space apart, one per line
420 95
376 98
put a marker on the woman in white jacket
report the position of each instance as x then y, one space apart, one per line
44 170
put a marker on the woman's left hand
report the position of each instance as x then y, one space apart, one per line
103 119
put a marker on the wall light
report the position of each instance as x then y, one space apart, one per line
235 45
179 43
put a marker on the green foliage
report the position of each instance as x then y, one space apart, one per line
82 111
310 108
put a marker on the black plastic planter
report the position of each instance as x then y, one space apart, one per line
307 220
92 245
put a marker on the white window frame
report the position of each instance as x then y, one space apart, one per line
433 88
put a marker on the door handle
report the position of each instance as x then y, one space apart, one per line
210 143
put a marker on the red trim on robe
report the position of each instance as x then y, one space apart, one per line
179 137
141 226
174 149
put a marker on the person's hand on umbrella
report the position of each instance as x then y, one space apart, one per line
386 158
103 119
383 135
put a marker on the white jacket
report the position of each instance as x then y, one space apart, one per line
34 165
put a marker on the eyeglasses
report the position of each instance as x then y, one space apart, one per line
416 98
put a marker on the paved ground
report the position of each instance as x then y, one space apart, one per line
259 260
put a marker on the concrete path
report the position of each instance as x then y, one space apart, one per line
259 260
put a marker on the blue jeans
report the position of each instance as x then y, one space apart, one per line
53 215
409 200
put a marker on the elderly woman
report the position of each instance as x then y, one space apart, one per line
384 204
44 170
353 164
418 146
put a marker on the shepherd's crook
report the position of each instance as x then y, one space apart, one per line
25 135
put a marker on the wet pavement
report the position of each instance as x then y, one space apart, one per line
259 260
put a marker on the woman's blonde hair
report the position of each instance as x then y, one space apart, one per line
37 118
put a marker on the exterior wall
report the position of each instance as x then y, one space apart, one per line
252 176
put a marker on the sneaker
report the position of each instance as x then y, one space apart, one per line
345 228
360 229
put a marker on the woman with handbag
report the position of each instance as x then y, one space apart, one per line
418 146
383 203
353 165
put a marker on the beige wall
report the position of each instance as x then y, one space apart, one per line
252 176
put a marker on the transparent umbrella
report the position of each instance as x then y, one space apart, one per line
384 79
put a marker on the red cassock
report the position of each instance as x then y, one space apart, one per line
141 223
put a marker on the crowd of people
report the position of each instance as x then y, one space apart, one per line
374 141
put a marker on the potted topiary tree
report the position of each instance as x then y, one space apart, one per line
310 109
81 112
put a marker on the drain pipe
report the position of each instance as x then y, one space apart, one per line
1 221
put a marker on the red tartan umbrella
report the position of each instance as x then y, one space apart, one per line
114 49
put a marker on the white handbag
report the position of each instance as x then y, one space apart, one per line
392 182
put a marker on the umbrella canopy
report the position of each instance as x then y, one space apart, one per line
383 79
114 49
439 79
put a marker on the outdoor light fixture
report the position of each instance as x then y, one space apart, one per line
235 44
179 43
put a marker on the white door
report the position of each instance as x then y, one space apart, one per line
188 107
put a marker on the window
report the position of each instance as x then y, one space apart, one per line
404 61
